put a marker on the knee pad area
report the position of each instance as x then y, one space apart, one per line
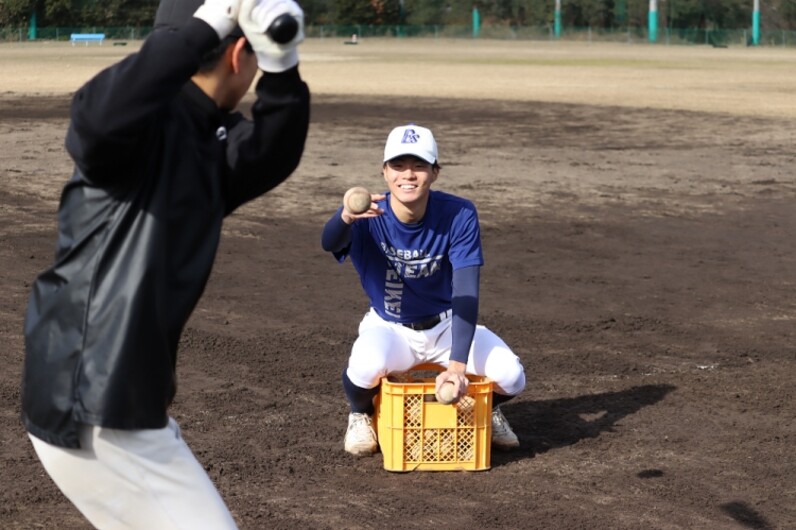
364 376
508 376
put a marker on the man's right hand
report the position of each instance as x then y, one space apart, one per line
256 17
374 211
455 374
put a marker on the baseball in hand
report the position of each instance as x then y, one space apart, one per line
357 200
446 394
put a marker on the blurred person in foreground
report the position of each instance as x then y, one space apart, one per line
161 158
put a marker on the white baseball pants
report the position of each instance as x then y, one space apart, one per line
142 479
385 347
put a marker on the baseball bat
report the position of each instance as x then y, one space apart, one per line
283 29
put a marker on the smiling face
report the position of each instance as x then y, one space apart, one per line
409 180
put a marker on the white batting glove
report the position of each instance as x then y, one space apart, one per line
256 17
222 15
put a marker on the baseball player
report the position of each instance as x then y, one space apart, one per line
161 157
418 255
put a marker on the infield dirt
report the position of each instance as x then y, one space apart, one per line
640 259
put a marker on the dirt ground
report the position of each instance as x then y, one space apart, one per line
640 261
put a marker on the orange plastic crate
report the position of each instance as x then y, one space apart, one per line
418 433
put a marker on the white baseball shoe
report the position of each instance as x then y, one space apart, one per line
360 438
503 437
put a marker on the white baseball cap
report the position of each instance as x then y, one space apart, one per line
411 140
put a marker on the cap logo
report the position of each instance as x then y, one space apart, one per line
410 137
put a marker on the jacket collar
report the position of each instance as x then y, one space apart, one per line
203 103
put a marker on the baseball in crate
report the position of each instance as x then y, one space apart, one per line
419 432
161 158
418 255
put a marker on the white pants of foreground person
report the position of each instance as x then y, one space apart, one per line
385 347
147 479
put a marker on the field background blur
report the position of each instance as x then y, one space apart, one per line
751 81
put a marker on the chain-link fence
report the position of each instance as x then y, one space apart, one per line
672 36
665 36
65 33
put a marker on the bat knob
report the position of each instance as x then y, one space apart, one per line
283 29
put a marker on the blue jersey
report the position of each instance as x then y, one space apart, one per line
407 269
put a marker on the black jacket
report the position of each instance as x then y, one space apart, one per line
158 167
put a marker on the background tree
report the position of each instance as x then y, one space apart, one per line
458 12
366 12
425 12
56 13
16 12
779 16
317 11
608 14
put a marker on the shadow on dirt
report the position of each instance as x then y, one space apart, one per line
545 425
746 516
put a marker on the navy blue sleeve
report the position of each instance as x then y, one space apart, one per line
336 233
465 311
